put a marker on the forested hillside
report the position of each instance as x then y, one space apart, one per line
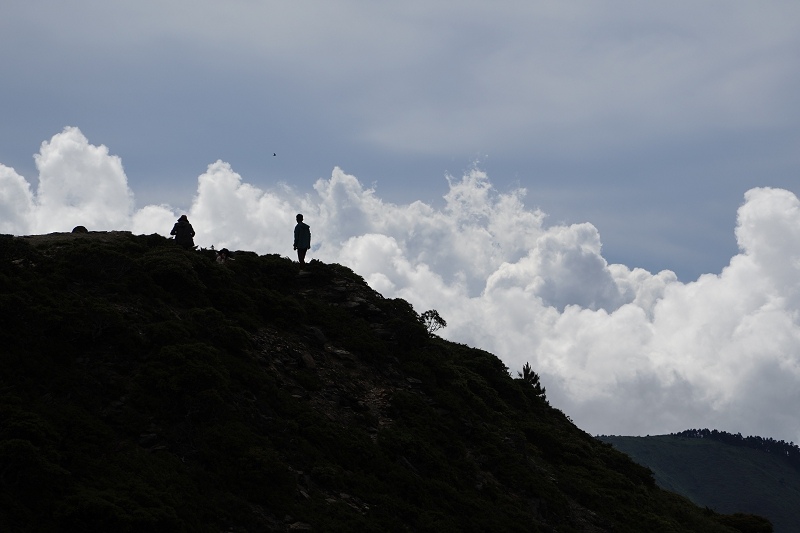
723 471
788 451
145 387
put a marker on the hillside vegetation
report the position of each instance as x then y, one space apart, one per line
146 388
724 472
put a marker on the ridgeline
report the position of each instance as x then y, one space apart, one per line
146 388
725 472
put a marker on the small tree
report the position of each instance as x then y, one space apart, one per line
432 321
532 378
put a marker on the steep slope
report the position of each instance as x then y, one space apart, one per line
146 388
721 476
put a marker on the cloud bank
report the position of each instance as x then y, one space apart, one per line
620 350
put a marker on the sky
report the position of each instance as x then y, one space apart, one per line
606 190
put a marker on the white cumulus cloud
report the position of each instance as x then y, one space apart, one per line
620 350
80 184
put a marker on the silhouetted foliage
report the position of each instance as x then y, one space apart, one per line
532 378
433 322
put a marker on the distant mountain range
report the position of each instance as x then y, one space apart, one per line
148 388
725 472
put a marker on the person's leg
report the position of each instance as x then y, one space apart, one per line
301 255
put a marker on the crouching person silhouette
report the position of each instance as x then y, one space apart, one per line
184 232
302 239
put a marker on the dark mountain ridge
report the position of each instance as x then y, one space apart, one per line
146 388
788 451
724 471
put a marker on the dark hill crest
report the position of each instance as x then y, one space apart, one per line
724 471
146 388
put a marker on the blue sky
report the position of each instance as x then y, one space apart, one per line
634 129
649 121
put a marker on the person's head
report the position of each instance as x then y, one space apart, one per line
299 217
183 217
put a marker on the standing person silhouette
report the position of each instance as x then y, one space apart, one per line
302 239
184 232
